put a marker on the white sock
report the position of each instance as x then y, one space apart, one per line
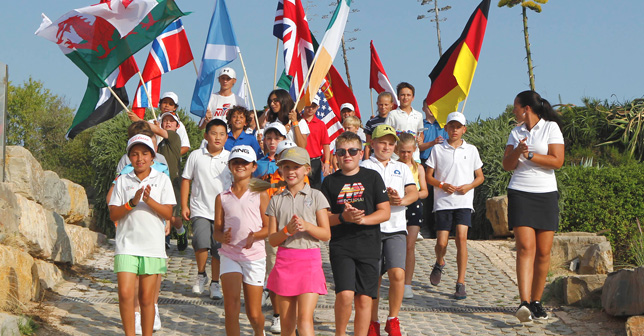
407 286
181 231
390 318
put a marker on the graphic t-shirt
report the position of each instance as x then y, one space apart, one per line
219 104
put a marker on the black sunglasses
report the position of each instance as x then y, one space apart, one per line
342 151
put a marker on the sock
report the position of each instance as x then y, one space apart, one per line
276 315
203 273
391 318
214 281
181 231
407 286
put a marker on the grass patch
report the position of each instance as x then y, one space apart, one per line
27 326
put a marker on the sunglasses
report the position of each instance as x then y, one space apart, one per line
274 100
343 152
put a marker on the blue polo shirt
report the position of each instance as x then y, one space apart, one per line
243 139
265 166
431 132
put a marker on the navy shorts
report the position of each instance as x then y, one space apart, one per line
447 219
414 213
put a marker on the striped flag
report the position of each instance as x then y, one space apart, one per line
452 76
326 112
378 79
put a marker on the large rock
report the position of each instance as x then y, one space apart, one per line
17 283
9 324
79 209
496 210
24 172
36 227
55 194
635 326
48 275
83 241
598 259
623 293
571 245
9 213
584 290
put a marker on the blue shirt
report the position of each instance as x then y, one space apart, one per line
243 139
433 130
158 166
265 166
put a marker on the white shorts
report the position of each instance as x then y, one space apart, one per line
253 272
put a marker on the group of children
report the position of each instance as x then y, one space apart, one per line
255 212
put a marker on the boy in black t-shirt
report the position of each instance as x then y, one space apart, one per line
359 203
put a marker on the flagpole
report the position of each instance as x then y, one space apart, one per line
277 48
195 64
249 91
371 98
147 93
306 79
465 102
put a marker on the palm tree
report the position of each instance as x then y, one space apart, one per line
436 19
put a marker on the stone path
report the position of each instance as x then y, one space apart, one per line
87 305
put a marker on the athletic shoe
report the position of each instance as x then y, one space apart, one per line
157 318
137 324
393 327
419 237
215 291
374 328
460 291
523 313
437 273
408 294
265 297
276 328
538 312
182 241
200 284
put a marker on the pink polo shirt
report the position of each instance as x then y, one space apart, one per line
243 216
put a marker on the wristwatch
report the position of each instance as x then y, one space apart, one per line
530 155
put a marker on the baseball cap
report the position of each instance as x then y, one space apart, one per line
347 106
298 155
230 72
244 152
173 114
284 144
140 139
172 96
456 116
276 125
382 130
316 100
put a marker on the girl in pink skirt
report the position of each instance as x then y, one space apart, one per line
297 221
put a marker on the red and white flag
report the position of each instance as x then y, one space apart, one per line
378 79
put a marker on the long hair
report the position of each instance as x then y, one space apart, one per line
408 139
286 105
540 106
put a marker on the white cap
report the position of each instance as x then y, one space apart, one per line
284 144
172 96
230 72
316 100
172 114
244 152
456 116
347 106
276 125
140 139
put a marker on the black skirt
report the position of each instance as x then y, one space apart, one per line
539 211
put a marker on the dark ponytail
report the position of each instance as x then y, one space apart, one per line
540 106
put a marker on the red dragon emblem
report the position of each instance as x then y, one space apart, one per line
92 35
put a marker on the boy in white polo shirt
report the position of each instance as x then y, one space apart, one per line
405 119
454 170
402 191
207 168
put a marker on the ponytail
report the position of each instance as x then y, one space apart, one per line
539 105
258 185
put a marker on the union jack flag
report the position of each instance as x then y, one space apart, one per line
292 28
326 113
170 50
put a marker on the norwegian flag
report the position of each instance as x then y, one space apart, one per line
170 50
292 28
326 111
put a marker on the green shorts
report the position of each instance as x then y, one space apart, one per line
139 265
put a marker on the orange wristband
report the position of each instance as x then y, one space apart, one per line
295 124
127 206
286 232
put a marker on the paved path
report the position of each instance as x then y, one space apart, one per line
87 305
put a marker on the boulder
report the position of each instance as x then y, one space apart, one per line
584 290
9 214
17 283
35 226
63 249
24 172
48 275
83 241
571 245
623 292
79 208
598 259
635 326
9 324
496 210
55 194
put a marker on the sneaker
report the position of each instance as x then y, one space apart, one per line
374 328
393 327
523 313
157 318
137 324
419 237
538 312
435 276
182 241
215 291
460 291
408 294
265 297
200 284
276 328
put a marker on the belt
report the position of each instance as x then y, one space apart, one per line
316 158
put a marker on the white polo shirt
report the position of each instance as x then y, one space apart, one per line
455 166
142 231
210 176
529 176
396 175
406 123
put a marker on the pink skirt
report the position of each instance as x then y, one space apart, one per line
297 271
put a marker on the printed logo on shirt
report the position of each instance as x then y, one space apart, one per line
221 112
308 202
351 193
397 172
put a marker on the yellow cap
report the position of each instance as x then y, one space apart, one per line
382 130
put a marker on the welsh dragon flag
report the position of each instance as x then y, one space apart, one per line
100 37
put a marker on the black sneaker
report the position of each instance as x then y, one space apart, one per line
435 276
460 291
182 241
538 312
524 313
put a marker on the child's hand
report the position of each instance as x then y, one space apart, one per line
208 115
292 116
352 214
137 197
167 227
464 188
448 188
291 226
185 213
250 240
228 236
439 140
394 198
146 193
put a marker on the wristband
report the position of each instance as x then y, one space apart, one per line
285 230
342 221
295 124
128 207
326 161
440 185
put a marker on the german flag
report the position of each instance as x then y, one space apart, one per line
452 76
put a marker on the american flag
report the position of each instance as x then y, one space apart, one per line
326 113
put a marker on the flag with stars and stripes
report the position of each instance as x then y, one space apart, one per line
326 111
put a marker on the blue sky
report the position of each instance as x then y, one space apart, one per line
580 49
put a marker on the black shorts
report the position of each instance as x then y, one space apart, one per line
357 275
414 214
539 211
447 219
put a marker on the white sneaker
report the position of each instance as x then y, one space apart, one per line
215 291
200 284
137 324
275 326
408 294
419 237
265 297
157 318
